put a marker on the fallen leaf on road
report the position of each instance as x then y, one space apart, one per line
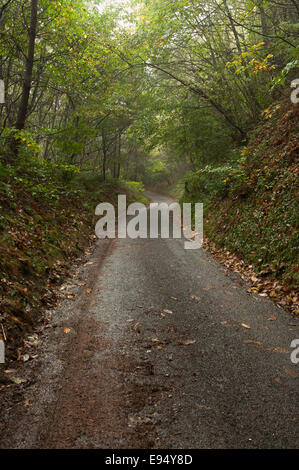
194 297
66 330
251 341
89 291
246 326
290 373
276 349
167 311
280 350
18 380
272 318
186 341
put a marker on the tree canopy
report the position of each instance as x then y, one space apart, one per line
123 87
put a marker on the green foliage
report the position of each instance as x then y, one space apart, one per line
250 203
136 189
281 78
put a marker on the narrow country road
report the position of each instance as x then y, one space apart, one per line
160 348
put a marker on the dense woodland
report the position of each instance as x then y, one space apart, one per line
108 87
183 96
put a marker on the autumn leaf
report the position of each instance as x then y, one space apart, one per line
18 380
249 341
291 373
186 342
280 350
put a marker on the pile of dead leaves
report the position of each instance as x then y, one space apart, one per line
263 283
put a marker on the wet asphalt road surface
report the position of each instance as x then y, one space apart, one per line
160 348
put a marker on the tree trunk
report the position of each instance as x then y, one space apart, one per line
235 33
119 154
23 108
265 29
104 155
